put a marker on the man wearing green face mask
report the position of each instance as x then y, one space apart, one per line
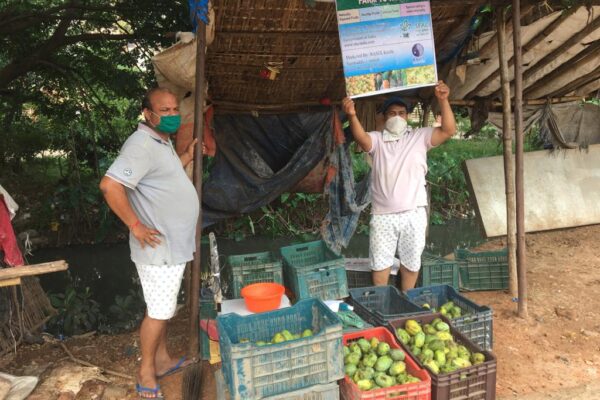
148 189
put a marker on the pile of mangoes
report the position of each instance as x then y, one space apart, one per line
448 310
281 337
434 346
372 364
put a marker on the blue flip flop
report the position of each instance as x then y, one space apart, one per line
176 368
155 391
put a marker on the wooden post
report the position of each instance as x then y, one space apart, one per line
509 174
198 132
520 197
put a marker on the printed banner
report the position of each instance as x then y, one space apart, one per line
387 45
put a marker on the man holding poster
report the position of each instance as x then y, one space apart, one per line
399 198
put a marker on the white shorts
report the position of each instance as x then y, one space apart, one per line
402 233
160 284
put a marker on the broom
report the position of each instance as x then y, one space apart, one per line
192 378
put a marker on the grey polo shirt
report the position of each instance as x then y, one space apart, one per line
161 194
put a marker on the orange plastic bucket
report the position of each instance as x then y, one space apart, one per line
261 297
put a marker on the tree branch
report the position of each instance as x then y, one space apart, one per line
87 37
20 66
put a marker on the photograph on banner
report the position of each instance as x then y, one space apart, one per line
387 45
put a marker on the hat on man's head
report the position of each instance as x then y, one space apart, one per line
395 100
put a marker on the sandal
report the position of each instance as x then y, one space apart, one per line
155 392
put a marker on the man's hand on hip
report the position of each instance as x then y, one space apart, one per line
145 235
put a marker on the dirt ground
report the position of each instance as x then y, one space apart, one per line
554 354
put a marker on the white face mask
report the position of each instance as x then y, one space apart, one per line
395 127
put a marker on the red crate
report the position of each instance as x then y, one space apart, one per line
408 391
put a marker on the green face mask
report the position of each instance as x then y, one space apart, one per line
168 123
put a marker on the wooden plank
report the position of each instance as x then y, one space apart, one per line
569 68
572 41
530 45
35 269
10 282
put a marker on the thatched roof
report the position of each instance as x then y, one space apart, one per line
303 41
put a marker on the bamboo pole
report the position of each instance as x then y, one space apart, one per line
31 270
533 102
509 174
519 186
198 133
248 107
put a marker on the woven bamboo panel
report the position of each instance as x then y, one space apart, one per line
301 40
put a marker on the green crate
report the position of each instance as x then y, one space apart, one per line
438 271
253 268
483 270
313 270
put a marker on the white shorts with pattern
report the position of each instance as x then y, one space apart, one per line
402 233
160 284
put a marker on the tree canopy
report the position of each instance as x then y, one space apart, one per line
76 69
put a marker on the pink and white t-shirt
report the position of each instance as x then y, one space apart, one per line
399 169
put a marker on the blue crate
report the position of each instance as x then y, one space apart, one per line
312 270
477 324
328 391
256 372
379 304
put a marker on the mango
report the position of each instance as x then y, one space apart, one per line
429 329
397 368
368 373
307 333
383 363
463 352
374 343
364 384
461 362
287 335
385 381
350 369
419 339
444 336
456 312
477 358
436 345
383 348
440 357
369 360
412 327
278 338
352 358
364 345
401 379
355 348
397 355
442 327
403 336
427 354
432 365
